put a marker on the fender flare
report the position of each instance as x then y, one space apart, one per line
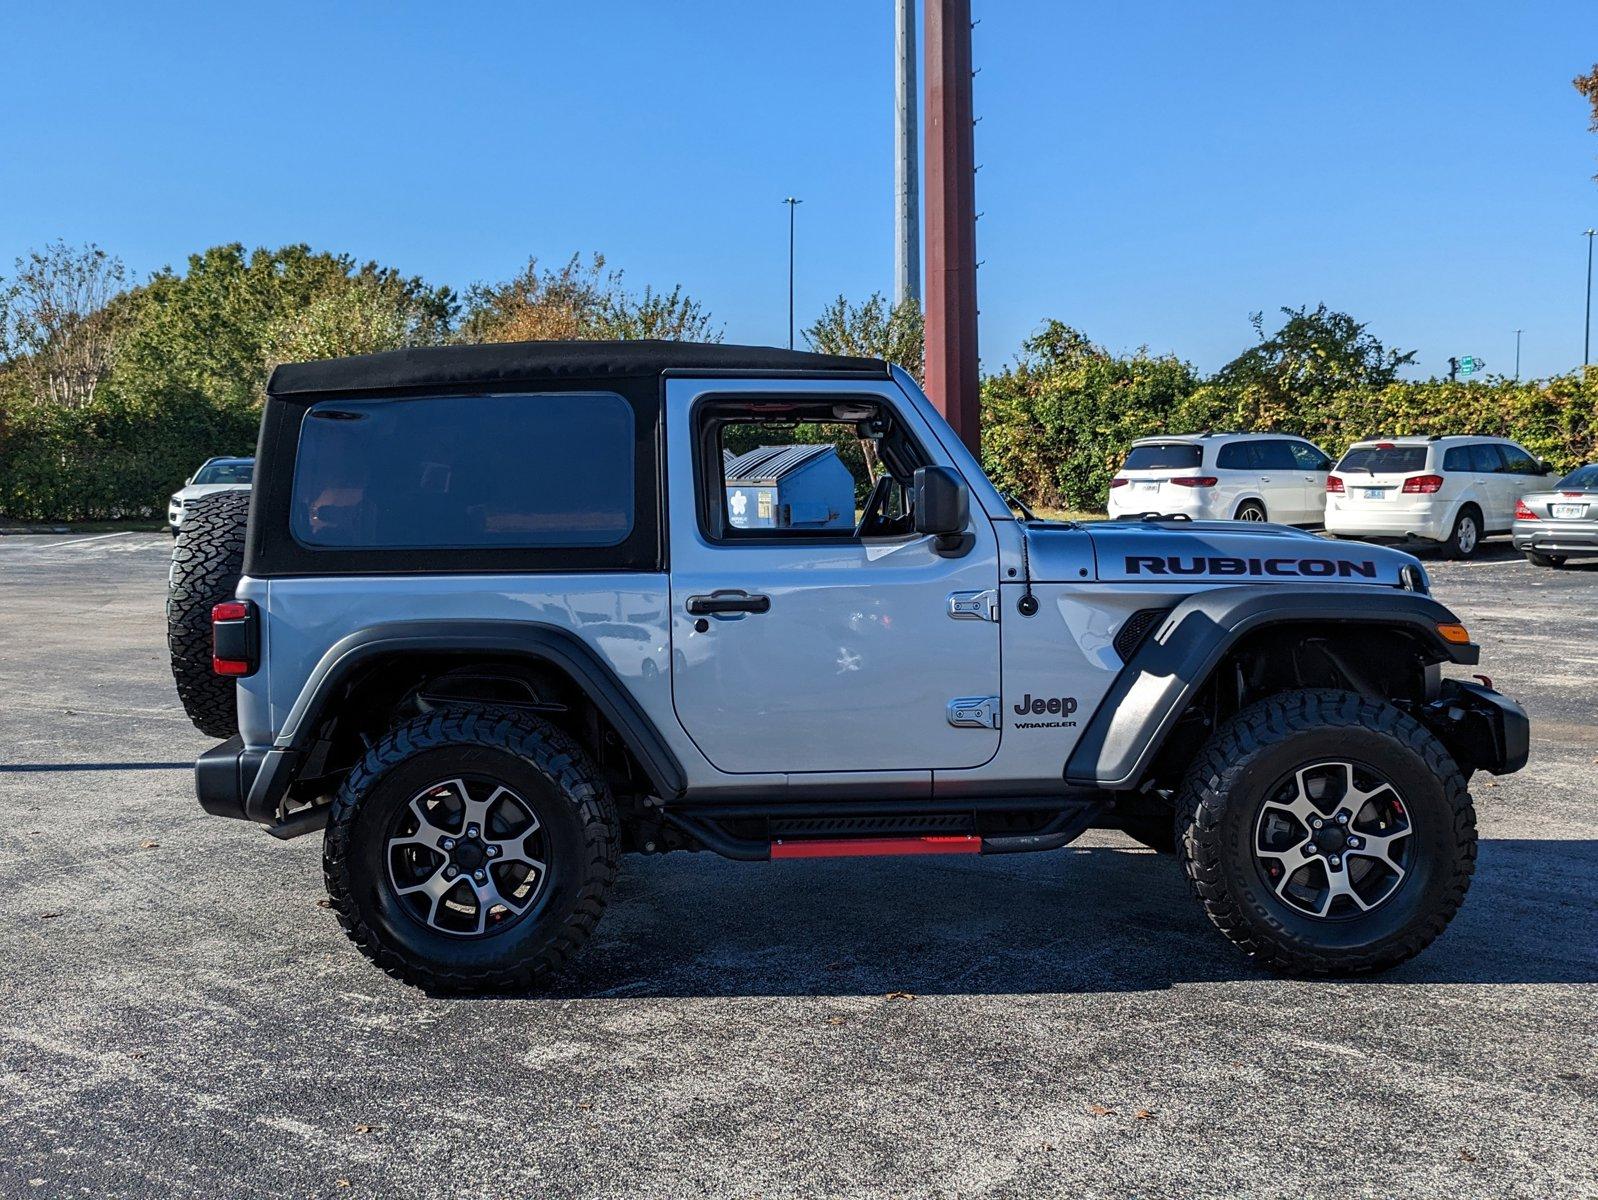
525 639
1154 688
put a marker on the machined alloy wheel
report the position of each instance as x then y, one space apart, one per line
466 856
1466 537
1333 841
1250 511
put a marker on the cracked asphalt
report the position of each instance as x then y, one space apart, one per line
179 1016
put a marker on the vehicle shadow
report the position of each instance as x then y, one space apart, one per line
1085 920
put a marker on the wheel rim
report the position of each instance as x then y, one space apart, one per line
1250 513
466 857
1333 840
1467 534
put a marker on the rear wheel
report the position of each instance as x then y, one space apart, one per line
471 850
1250 510
1466 536
1327 833
207 559
1537 559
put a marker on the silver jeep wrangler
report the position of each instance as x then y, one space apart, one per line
496 615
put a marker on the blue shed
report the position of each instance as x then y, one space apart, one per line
789 487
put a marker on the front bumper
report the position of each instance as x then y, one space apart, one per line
1557 537
1483 729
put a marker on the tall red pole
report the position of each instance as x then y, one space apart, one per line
951 204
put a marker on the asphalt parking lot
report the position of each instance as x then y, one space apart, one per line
181 1018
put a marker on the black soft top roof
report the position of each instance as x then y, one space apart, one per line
539 362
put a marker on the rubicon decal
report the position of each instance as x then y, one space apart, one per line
1039 706
1292 568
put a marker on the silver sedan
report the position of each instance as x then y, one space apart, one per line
1562 523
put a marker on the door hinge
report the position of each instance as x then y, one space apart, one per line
975 712
974 606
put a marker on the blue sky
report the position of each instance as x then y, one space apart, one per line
1151 172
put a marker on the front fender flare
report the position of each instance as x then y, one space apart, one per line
1154 688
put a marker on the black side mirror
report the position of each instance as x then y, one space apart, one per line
1546 467
943 508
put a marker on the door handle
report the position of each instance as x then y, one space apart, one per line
722 603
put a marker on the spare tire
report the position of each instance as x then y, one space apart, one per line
207 560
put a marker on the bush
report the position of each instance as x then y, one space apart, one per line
112 458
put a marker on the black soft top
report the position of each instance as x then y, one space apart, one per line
507 363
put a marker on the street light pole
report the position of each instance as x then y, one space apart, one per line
792 204
1586 344
1518 332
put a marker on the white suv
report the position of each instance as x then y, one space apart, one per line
1451 490
1222 476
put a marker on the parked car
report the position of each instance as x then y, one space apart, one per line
492 624
1450 490
1223 476
216 475
1555 525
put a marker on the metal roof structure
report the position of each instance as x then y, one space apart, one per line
768 464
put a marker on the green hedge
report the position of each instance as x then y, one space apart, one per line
1056 426
112 458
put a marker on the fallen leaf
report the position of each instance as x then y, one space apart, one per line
366 1129
1466 1155
900 996
584 1104
324 902
1098 1110
1489 783
149 844
836 1020
1142 1114
49 916
1047 1147
343 1183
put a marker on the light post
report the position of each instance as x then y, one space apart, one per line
1586 342
1518 332
792 204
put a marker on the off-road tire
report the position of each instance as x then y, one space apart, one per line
1455 544
1227 783
207 559
1251 507
573 804
1538 559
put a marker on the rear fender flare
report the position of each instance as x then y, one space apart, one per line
1121 740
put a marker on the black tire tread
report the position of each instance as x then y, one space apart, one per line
1228 755
207 560
548 749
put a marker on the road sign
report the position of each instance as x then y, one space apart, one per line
1471 365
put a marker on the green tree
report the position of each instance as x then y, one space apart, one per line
580 300
1587 85
63 316
873 329
215 328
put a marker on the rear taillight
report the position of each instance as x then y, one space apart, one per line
1334 485
1423 485
1194 481
1522 513
235 645
1118 482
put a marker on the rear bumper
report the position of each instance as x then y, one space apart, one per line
243 782
1400 523
1196 503
1482 729
1557 537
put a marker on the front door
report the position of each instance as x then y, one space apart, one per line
802 649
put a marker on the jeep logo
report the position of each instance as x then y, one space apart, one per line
1054 706
1316 568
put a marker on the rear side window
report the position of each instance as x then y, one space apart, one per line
1484 458
1307 457
1384 460
538 470
1163 456
1457 458
1275 456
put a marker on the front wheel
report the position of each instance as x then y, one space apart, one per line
1327 834
471 850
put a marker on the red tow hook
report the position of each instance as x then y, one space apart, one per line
1486 681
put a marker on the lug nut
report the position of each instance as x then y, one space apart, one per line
1342 818
1317 822
1312 848
450 872
493 852
448 843
479 875
1355 843
1336 862
471 831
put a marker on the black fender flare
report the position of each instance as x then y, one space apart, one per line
463 637
1156 685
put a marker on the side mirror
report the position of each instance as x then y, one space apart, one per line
1546 467
943 508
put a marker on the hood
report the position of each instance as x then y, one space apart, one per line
1227 552
205 489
